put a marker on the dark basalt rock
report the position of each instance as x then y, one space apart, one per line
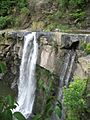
71 41
30 118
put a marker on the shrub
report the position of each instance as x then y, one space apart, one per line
78 15
77 2
20 19
5 6
87 48
2 67
8 8
63 3
72 3
6 21
54 26
39 25
51 27
7 104
24 11
17 21
46 103
3 22
22 3
73 99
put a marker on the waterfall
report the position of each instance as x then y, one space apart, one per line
65 79
67 68
27 82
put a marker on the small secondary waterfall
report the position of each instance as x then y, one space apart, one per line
27 82
65 79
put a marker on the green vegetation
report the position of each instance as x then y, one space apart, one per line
6 21
3 22
69 13
72 3
46 88
37 25
87 94
7 104
78 15
8 6
65 14
74 100
10 9
86 47
24 12
60 27
2 66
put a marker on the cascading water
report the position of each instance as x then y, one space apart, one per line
65 79
68 67
27 82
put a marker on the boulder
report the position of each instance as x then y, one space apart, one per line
83 67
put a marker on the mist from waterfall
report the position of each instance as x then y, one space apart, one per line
27 82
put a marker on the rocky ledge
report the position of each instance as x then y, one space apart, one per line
53 47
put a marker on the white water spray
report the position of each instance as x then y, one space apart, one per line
27 82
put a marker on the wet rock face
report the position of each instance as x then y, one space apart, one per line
69 40
50 57
53 48
52 53
10 53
